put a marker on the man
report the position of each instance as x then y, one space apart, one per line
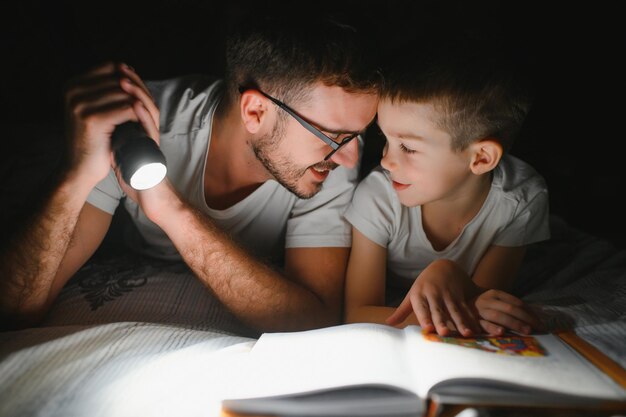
260 168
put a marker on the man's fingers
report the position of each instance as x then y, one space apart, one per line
147 121
82 101
130 73
144 97
114 113
77 91
138 87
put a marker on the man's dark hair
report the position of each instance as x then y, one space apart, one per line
283 54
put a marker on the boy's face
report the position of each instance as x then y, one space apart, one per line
418 154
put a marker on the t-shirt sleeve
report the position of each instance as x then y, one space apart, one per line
530 225
318 221
106 195
371 211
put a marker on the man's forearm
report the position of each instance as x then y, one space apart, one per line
256 293
30 260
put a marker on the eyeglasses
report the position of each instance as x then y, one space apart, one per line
308 126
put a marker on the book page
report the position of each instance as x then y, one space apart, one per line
544 362
309 361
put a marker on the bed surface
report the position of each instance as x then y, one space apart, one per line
134 337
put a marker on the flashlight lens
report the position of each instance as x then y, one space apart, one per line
148 176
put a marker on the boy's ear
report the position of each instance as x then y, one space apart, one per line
253 108
486 154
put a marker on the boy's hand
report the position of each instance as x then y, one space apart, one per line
499 311
440 296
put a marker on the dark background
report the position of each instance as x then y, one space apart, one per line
573 135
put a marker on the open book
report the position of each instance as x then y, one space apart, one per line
377 370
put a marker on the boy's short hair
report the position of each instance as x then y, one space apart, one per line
476 94
283 53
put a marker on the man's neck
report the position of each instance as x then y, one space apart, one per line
232 170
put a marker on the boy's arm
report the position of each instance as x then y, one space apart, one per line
321 273
495 274
498 267
365 283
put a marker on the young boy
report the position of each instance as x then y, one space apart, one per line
448 212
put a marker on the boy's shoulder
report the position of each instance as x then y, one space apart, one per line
376 186
518 180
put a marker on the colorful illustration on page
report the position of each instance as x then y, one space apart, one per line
513 345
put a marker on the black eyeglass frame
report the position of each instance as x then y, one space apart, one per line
308 126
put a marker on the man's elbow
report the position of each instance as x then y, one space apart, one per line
17 313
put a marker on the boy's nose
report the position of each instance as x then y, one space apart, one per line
387 161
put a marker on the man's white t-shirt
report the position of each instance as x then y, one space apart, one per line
266 222
515 213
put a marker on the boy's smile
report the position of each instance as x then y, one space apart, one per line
398 186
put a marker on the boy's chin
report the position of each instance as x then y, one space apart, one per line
407 200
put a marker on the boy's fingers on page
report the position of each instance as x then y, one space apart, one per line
521 313
400 313
439 315
503 319
491 328
422 312
460 317
472 316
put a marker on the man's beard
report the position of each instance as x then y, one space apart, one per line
282 169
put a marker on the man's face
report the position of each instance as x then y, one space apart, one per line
295 156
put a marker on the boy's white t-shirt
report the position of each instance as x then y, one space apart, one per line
266 222
515 213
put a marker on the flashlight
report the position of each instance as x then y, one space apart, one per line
141 162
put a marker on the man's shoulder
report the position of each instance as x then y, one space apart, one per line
178 85
185 99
